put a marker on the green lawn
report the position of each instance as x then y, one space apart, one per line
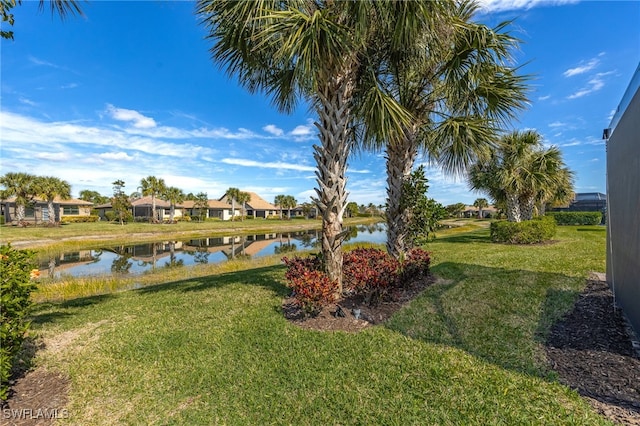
215 349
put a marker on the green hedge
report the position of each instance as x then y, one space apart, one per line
79 219
17 270
577 218
526 232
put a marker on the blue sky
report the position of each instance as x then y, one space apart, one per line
130 91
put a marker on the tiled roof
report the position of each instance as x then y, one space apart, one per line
213 204
255 202
56 200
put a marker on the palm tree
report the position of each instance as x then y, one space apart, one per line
20 185
455 80
520 173
232 197
50 187
480 203
560 193
243 199
315 50
61 7
279 201
289 203
153 186
174 196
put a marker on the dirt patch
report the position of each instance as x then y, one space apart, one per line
591 350
344 315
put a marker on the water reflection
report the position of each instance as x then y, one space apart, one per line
140 258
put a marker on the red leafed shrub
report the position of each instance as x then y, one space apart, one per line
312 289
415 265
371 272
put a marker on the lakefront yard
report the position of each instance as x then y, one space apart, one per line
215 348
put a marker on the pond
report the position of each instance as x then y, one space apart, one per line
144 257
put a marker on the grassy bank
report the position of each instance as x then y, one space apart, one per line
215 349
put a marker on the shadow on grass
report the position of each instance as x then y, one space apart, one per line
263 277
471 237
499 315
46 312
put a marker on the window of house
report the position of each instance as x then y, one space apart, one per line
70 210
29 212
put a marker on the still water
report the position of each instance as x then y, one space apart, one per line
143 257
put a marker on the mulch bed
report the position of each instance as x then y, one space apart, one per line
590 349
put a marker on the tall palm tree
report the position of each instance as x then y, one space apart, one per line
232 196
243 199
50 187
279 202
153 186
316 51
480 203
21 185
456 80
174 196
520 172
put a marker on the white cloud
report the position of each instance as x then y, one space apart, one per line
544 98
274 130
504 5
268 165
52 156
557 124
122 114
26 101
582 68
118 156
594 85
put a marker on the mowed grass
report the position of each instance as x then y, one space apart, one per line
216 349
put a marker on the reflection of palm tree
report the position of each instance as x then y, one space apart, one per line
121 264
285 248
52 266
201 256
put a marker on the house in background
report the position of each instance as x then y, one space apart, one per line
487 212
215 209
623 208
38 210
256 206
142 208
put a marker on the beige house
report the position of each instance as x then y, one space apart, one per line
256 206
215 209
472 211
38 210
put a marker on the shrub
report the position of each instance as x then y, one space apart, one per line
80 219
576 218
2 219
16 274
371 272
312 289
415 265
526 232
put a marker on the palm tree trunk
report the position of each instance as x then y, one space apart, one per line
334 109
400 159
513 208
527 204
153 208
52 213
172 212
20 212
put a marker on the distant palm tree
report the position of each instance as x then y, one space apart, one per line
290 203
174 196
243 199
232 197
20 185
50 187
153 186
480 204
520 173
279 202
